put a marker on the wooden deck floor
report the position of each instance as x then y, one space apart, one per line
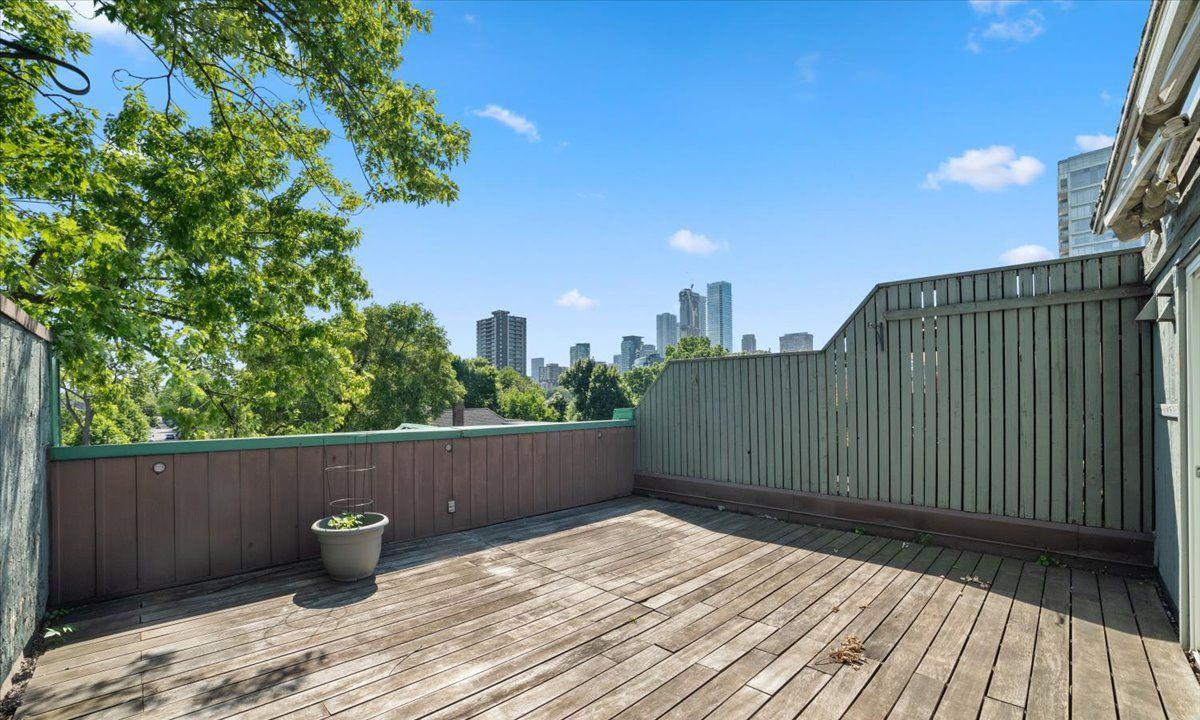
634 609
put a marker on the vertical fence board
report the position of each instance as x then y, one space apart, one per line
949 382
541 488
116 525
1057 391
1041 392
191 517
423 488
905 375
225 513
404 490
941 384
927 477
929 404
443 486
73 530
1012 401
1131 417
882 397
460 483
969 418
382 456
999 426
1110 347
156 522
1076 390
1093 398
255 506
524 474
1025 402
285 506
983 398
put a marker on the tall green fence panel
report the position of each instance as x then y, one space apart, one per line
1017 391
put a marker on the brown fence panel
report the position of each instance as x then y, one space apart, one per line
123 525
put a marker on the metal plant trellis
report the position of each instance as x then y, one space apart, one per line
349 484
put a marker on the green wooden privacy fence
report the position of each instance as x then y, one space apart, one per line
1022 391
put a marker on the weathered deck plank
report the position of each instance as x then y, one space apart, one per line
632 608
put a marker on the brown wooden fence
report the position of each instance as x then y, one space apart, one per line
1017 391
120 528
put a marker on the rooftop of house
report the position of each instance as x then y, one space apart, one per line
474 416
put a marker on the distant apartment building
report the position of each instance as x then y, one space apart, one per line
647 349
691 313
1079 179
668 330
500 339
749 343
630 346
548 378
795 342
617 362
719 323
535 368
580 351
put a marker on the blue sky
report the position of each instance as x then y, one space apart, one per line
812 150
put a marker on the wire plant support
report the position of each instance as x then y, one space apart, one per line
350 484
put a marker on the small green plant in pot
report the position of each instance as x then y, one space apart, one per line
352 537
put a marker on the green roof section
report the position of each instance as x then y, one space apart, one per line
178 447
622 413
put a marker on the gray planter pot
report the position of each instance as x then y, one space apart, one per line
351 554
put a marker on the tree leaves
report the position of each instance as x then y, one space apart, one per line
406 356
215 246
597 390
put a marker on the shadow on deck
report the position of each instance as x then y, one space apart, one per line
635 608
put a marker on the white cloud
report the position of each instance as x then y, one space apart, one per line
471 19
1020 30
511 120
1026 254
694 243
1004 27
1105 97
1093 142
590 196
993 7
575 300
990 168
806 67
86 18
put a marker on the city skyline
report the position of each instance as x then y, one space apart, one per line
632 348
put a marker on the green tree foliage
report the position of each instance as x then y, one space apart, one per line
526 403
694 347
560 401
597 390
480 381
407 357
639 379
211 245
269 383
115 405
509 378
